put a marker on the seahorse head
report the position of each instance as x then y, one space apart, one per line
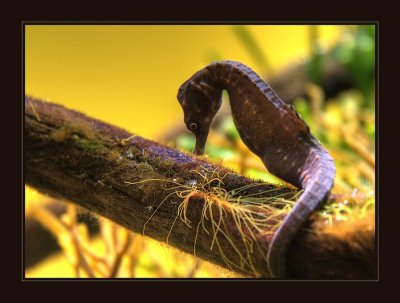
200 101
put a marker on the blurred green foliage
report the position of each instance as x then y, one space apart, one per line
355 51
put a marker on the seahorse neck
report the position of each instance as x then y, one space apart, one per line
236 78
251 99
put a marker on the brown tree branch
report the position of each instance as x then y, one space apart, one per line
88 162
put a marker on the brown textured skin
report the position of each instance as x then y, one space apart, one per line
272 130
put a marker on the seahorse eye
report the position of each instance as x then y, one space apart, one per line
192 126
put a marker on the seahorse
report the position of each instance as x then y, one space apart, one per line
272 130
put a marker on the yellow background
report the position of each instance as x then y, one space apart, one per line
129 75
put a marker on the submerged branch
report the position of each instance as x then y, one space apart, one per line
151 188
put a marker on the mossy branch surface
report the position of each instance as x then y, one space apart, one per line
125 178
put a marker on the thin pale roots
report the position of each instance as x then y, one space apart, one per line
249 214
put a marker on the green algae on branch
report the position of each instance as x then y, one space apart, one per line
88 162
